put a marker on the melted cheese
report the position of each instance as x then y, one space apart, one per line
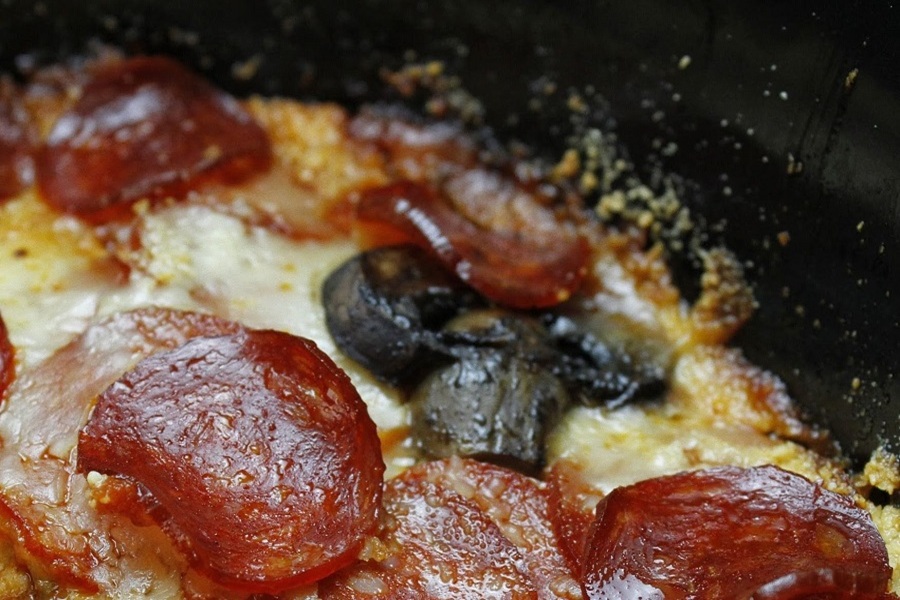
627 445
52 275
191 258
56 278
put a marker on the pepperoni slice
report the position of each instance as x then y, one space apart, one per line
16 144
438 545
7 360
521 266
47 504
258 448
492 501
518 505
730 533
146 127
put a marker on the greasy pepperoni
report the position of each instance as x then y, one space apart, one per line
518 505
825 584
49 505
146 127
257 447
572 504
520 266
729 533
16 144
7 360
438 545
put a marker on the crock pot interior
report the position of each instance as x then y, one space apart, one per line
785 123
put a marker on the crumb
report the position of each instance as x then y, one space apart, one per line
726 301
446 95
576 104
883 471
568 166
247 69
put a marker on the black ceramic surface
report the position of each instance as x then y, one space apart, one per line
786 119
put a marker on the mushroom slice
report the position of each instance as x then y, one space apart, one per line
384 308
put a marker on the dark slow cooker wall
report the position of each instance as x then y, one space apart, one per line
786 120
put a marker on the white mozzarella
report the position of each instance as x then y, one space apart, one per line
633 443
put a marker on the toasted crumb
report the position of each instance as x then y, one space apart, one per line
887 519
246 69
726 300
576 104
14 580
883 471
568 166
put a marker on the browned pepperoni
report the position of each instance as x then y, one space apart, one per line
731 533
16 144
522 267
825 584
257 447
146 127
518 505
48 505
7 360
572 504
438 545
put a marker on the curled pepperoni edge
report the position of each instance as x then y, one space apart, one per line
511 268
236 149
99 450
7 361
809 584
17 143
571 519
